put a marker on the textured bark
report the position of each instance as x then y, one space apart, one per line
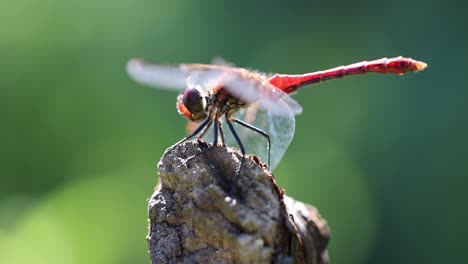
194 218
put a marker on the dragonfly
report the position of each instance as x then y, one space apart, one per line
253 104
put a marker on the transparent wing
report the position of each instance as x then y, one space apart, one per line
293 106
279 125
154 75
205 76
177 77
249 86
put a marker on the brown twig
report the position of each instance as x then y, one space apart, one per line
193 219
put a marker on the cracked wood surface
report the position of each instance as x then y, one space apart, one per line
194 219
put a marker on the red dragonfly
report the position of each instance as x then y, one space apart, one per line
257 103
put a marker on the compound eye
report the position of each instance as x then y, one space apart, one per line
192 100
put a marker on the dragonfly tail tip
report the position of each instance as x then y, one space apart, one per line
420 65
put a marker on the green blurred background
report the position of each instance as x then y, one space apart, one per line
383 157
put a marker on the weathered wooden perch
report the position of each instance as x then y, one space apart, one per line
194 220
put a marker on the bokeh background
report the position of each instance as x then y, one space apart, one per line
383 157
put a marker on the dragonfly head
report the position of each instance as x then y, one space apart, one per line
191 104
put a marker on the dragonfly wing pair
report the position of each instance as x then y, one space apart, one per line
269 108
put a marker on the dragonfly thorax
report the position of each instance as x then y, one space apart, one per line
228 103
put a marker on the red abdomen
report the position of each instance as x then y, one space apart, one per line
398 65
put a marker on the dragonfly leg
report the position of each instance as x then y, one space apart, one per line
258 130
204 125
214 145
221 133
216 128
203 132
241 146
211 117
